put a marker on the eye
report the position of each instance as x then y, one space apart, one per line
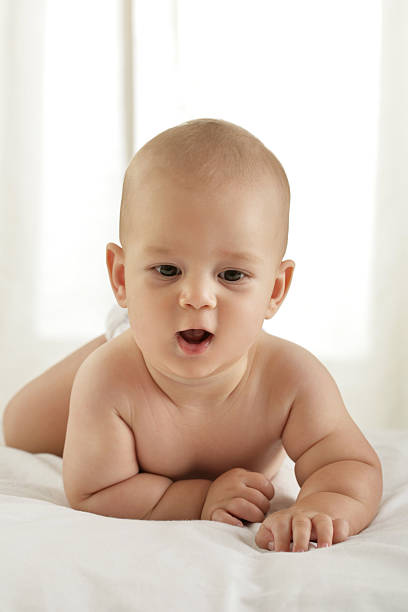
167 270
233 275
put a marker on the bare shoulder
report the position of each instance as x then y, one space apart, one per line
314 391
290 363
286 349
115 366
309 377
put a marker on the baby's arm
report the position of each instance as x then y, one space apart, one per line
338 471
100 467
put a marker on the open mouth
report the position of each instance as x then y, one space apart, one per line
194 341
195 336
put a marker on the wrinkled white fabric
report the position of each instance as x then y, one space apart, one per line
56 558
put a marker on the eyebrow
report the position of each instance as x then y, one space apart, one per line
242 255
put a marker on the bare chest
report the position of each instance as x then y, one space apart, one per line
244 434
194 450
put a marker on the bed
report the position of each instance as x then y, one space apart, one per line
58 559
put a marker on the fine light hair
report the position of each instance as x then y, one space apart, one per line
212 152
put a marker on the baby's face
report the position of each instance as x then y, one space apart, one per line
197 258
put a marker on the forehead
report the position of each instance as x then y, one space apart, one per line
240 209
172 209
162 193
250 257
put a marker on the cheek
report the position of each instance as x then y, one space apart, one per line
243 320
249 311
148 315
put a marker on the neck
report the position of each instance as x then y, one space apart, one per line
204 395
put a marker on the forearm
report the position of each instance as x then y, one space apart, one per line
132 498
350 490
183 500
149 497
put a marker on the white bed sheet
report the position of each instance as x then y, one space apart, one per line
55 558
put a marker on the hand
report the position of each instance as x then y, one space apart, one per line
238 494
300 525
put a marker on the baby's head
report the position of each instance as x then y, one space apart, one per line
210 154
203 228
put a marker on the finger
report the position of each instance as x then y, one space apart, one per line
301 530
266 531
281 528
260 482
222 516
341 530
263 536
267 488
323 525
239 506
257 498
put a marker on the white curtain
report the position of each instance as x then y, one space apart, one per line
323 84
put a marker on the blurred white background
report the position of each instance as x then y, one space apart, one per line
323 84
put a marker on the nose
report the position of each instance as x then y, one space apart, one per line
197 294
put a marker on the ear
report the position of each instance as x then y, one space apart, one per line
115 261
281 287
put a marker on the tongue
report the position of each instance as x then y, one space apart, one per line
194 335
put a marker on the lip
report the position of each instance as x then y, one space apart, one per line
196 327
194 349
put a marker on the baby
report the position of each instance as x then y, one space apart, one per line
189 413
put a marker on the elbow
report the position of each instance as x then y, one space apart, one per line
359 480
75 499
370 486
378 480
10 432
375 479
76 502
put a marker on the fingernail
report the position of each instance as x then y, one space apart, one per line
271 546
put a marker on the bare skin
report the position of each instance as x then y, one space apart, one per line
155 433
244 431
250 431
43 410
35 419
